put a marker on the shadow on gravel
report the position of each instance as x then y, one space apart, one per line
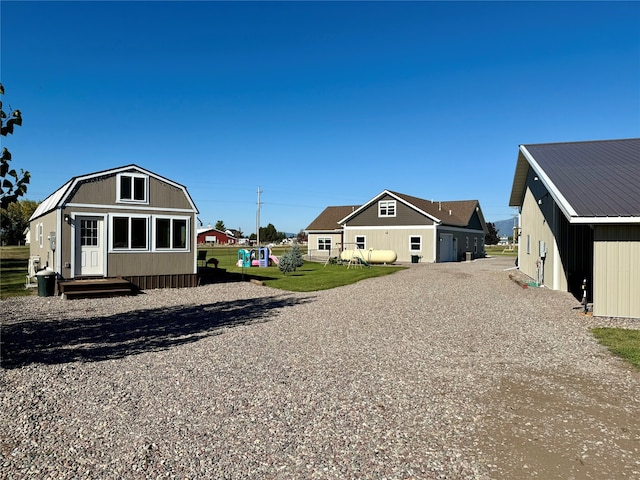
116 336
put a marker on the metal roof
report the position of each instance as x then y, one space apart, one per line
590 181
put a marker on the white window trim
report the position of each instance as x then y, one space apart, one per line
128 249
386 204
119 199
355 240
415 236
327 241
154 248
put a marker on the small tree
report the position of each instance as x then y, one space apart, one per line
15 219
491 237
13 185
291 260
287 263
220 226
296 255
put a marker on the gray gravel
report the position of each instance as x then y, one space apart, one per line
441 371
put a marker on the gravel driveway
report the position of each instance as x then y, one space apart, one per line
439 371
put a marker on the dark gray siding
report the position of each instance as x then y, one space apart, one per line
404 216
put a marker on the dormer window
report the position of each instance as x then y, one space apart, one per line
133 188
387 208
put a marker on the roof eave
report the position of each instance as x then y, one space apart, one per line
604 220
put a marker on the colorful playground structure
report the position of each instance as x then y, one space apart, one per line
260 257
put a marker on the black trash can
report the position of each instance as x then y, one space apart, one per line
46 282
415 258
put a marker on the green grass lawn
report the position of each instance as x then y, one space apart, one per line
14 262
622 342
310 277
494 250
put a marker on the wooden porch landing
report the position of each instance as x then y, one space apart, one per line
95 287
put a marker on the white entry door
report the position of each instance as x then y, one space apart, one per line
446 247
89 246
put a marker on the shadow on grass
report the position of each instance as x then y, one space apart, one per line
117 336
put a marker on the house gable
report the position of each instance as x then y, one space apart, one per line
404 213
417 211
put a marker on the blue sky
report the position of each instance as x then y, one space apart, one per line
316 103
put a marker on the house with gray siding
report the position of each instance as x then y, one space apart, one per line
410 226
579 220
124 222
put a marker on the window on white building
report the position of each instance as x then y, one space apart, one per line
415 243
324 243
387 208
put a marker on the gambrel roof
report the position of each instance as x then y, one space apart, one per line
591 182
457 213
58 198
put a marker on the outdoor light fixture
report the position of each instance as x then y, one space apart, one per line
67 218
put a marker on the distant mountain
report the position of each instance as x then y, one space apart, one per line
504 227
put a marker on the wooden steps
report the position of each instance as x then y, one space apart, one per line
96 287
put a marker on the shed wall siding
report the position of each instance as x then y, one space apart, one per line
156 263
164 195
99 192
616 285
49 224
103 192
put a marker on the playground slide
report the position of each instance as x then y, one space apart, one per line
274 259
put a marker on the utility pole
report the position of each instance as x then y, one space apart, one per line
258 219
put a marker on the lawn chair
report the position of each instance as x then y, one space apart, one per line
202 257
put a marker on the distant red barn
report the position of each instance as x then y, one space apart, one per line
211 235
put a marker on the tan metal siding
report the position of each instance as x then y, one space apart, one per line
616 284
536 222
